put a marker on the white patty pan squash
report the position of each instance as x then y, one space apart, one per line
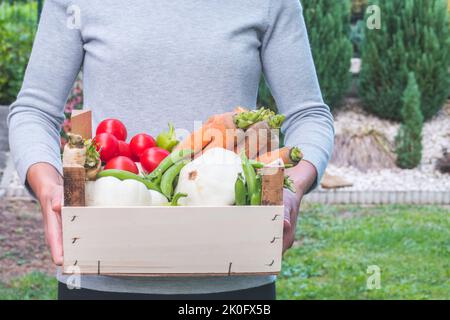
112 192
209 180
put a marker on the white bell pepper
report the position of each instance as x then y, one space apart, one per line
113 192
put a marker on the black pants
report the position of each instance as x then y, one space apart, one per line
266 292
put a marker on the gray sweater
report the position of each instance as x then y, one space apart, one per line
147 62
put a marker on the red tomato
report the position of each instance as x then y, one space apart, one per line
124 149
141 142
114 127
151 158
107 145
122 163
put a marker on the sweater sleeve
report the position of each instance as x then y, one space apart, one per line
290 73
36 116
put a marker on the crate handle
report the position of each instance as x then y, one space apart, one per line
275 239
75 239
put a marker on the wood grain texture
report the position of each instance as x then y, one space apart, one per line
272 186
74 185
81 121
173 241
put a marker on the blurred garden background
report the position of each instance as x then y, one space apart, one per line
383 66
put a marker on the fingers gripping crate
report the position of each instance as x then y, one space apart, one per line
171 241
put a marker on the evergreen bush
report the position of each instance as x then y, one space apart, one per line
414 36
409 138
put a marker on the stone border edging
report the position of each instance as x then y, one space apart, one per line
419 197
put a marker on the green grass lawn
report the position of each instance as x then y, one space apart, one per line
336 244
34 285
410 244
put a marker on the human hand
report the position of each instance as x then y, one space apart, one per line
303 175
291 209
47 185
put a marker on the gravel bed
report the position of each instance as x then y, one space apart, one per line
436 137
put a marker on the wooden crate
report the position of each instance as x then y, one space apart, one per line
171 241
161 241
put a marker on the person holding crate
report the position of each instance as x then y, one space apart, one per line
177 60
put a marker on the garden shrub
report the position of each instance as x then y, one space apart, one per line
409 138
328 23
17 29
414 36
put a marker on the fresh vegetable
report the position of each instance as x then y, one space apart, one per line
158 199
289 184
141 142
255 199
288 155
114 127
199 139
168 162
250 175
240 191
168 178
253 181
80 152
210 179
167 140
74 151
257 165
276 121
258 138
125 150
107 145
122 163
110 191
176 198
93 164
126 175
212 134
151 158
244 120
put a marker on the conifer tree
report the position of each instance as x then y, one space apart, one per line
409 137
414 36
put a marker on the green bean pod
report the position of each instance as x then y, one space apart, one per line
168 178
255 198
174 202
240 191
256 164
249 173
126 175
168 162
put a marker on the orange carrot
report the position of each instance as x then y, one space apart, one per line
213 133
289 156
256 139
196 141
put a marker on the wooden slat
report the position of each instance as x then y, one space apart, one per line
74 184
272 186
164 241
81 122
